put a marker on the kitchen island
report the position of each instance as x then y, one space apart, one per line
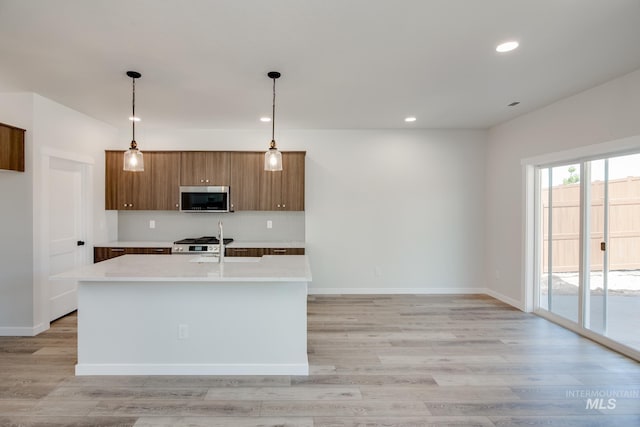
187 315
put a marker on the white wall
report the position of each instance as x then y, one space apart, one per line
61 130
604 113
16 225
51 127
386 210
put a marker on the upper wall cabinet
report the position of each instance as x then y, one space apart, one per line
284 190
127 190
158 187
246 171
205 168
165 178
11 148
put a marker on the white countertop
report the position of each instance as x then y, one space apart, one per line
134 244
257 244
180 268
234 244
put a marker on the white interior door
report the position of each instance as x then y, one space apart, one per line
66 226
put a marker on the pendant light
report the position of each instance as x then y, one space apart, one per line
133 161
273 158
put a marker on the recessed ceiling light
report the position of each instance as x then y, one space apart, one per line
265 119
410 119
507 46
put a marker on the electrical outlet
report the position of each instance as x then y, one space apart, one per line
183 332
152 223
269 223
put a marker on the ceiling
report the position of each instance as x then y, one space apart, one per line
345 63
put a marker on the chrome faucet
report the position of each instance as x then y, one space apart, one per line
220 242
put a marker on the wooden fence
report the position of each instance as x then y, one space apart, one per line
624 225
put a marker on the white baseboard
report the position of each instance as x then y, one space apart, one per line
23 331
399 291
192 369
505 299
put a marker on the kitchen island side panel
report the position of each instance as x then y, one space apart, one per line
187 328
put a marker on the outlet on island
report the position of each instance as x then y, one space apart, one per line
152 223
269 223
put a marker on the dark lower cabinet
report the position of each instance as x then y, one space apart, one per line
102 253
258 252
247 252
105 253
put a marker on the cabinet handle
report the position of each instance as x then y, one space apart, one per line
177 205
117 250
206 180
279 251
202 180
278 205
159 250
284 206
240 250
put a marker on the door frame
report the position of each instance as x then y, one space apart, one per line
531 228
42 233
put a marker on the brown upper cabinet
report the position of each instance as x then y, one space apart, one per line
158 186
165 180
246 171
11 148
127 190
284 190
204 168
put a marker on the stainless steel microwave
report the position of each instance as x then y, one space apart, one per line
202 198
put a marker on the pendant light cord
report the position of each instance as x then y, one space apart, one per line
133 111
273 113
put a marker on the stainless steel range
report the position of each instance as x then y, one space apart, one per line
201 245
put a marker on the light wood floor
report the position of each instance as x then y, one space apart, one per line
375 361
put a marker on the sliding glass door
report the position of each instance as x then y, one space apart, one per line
560 244
589 245
618 307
